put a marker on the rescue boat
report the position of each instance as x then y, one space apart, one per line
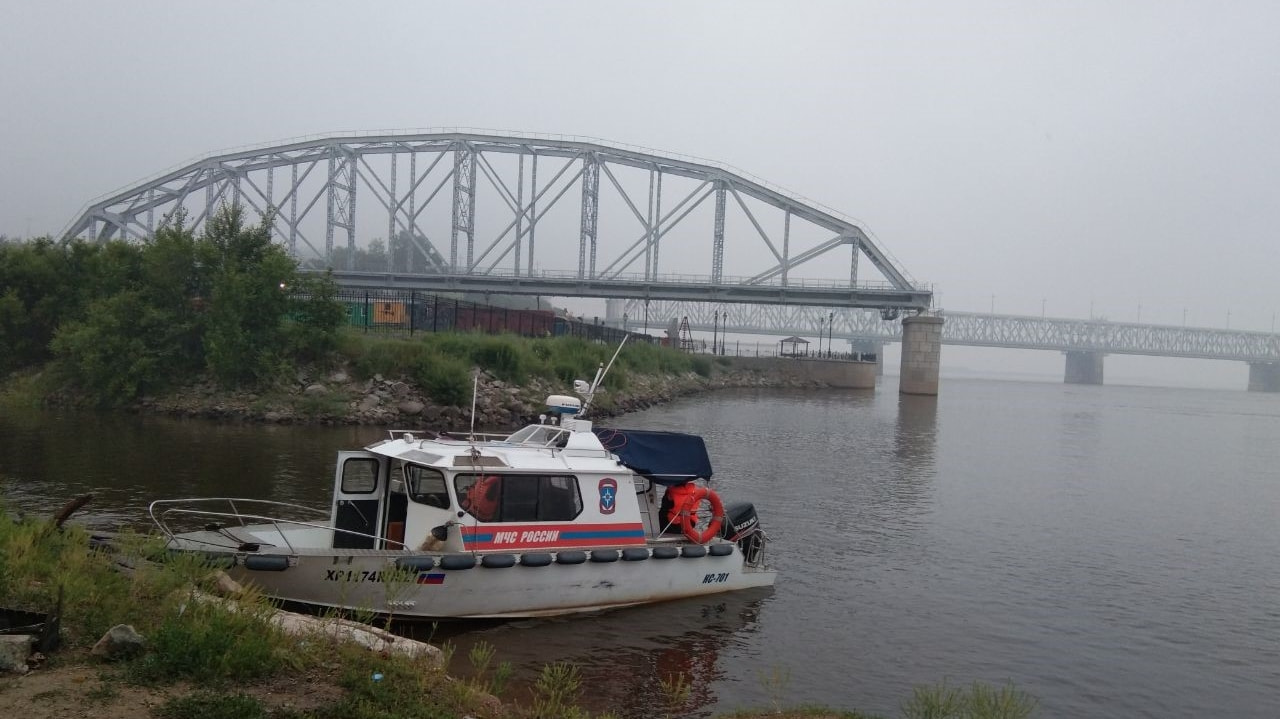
558 517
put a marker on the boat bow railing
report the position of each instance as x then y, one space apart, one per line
164 512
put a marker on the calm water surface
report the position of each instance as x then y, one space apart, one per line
1115 551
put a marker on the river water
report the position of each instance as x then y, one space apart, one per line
1114 551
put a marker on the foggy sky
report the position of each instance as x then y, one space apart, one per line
1075 156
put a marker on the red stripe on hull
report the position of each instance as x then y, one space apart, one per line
544 536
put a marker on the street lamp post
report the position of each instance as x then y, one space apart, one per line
831 331
715 328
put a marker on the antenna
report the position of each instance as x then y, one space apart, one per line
600 374
475 390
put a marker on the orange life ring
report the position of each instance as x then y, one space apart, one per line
688 516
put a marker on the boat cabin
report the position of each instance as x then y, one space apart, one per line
544 487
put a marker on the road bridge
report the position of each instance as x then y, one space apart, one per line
1084 342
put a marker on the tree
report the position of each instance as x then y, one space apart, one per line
113 354
244 333
126 319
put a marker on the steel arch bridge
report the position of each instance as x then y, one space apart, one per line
514 213
972 329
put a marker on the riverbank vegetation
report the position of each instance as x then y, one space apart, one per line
441 364
215 660
113 321
113 324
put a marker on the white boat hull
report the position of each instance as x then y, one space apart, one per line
371 581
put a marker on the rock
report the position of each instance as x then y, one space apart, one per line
377 378
369 402
226 586
14 650
315 389
338 377
273 416
410 408
399 390
120 642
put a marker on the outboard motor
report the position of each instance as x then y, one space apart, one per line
742 525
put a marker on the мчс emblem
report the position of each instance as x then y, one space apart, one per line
608 495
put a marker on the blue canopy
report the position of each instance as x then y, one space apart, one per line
668 458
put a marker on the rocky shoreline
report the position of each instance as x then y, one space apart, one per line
335 396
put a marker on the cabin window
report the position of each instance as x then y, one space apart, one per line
426 486
519 497
359 476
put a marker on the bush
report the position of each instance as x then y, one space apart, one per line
447 380
314 316
702 366
501 356
210 642
39 561
114 354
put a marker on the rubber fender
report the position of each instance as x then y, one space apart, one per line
635 554
266 563
535 559
665 552
720 550
572 556
416 564
457 561
693 551
498 561
604 555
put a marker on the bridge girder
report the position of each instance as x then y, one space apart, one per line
753 224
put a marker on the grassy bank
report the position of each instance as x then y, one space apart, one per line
441 364
372 379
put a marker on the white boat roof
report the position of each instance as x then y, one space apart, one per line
534 448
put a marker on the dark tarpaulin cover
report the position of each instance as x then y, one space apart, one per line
667 458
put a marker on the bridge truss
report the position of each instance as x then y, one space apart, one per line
971 329
473 210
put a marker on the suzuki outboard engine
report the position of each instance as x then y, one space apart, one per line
742 525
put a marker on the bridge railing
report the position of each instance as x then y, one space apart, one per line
737 348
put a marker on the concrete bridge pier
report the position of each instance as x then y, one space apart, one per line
1264 376
1083 367
921 354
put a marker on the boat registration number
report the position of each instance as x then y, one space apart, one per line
355 575
715 578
